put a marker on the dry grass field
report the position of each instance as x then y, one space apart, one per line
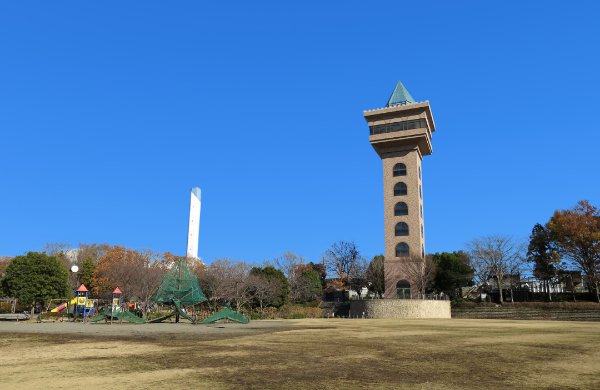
304 354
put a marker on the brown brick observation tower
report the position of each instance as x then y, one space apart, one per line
400 133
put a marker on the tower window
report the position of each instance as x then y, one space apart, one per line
401 229
400 189
402 250
421 211
420 193
423 250
422 232
399 170
400 209
403 290
419 172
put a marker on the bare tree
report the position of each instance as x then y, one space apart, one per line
495 256
54 248
4 262
214 281
239 286
358 277
420 272
62 251
147 272
93 250
343 260
263 290
292 266
224 281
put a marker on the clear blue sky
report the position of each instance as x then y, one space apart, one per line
111 112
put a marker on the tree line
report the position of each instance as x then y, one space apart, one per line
565 246
285 279
569 241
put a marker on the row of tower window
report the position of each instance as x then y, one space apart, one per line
401 208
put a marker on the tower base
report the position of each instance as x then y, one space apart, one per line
400 308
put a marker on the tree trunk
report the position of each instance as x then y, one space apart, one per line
548 289
499 282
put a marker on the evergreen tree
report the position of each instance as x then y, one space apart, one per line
87 272
453 272
542 252
310 283
270 273
376 275
35 278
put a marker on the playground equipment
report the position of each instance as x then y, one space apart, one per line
117 310
83 306
13 303
228 314
64 305
179 288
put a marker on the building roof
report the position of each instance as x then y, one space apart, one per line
117 291
400 96
82 288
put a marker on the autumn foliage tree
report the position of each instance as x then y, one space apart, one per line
577 233
138 273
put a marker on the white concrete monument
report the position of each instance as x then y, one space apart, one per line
194 226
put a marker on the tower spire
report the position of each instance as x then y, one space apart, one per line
400 96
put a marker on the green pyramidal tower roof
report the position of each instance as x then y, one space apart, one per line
400 96
181 285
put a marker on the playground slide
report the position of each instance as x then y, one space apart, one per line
62 307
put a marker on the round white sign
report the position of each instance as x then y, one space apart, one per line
74 268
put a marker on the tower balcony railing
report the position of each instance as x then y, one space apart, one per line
400 126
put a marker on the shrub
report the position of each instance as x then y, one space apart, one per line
255 316
315 303
296 316
288 311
